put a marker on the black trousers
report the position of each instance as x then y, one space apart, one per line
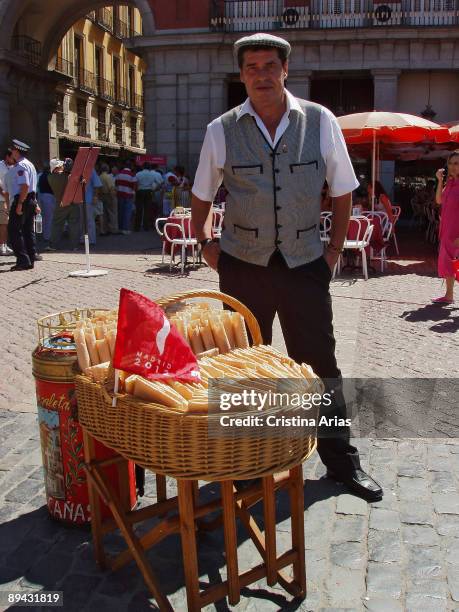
301 298
21 231
144 210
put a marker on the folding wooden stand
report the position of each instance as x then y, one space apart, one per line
233 504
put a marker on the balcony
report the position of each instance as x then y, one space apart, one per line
137 102
263 15
82 126
61 120
123 29
104 89
64 66
104 18
28 48
102 130
134 138
122 96
85 80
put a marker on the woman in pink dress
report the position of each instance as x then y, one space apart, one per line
448 196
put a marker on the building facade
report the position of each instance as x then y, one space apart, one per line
100 97
352 55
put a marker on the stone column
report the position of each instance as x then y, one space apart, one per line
385 88
4 106
385 98
149 92
299 83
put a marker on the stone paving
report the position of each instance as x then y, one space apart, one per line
398 554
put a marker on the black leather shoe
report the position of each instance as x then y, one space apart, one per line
360 483
20 268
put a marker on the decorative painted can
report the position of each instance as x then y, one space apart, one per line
54 369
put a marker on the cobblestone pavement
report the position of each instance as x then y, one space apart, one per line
398 554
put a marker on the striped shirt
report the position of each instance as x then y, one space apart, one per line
126 183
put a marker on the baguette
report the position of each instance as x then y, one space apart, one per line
91 344
103 350
158 393
84 360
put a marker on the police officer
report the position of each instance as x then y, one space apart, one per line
23 209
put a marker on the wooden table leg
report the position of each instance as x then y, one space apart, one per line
269 513
94 503
188 536
229 527
161 487
297 526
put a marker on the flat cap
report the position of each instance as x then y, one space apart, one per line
260 39
20 146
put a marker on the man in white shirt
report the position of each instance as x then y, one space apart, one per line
148 182
274 154
5 165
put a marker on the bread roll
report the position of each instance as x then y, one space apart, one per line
103 350
240 332
92 349
154 391
84 360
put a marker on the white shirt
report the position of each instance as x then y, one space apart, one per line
3 172
149 179
24 173
340 174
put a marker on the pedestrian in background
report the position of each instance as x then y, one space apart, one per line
148 182
108 197
5 165
46 196
69 214
447 197
126 186
92 198
21 230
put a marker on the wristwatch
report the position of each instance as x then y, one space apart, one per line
206 241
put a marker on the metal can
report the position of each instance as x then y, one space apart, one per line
54 368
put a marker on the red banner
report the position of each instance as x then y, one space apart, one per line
159 160
148 344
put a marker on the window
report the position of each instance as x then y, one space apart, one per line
101 124
134 134
82 120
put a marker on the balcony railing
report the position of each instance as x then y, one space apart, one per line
104 89
102 131
27 48
123 29
64 66
262 15
137 102
61 120
134 138
82 126
85 80
122 96
104 18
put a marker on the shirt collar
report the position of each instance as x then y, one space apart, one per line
292 105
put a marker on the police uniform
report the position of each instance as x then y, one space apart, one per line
21 226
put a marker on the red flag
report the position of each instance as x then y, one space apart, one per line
148 344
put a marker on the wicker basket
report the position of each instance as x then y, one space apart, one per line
181 445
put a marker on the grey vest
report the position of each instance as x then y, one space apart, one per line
273 200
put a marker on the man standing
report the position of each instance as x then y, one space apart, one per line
5 165
108 197
274 153
23 209
147 184
63 215
126 186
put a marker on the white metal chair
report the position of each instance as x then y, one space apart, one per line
358 238
217 223
396 211
184 240
161 234
325 226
